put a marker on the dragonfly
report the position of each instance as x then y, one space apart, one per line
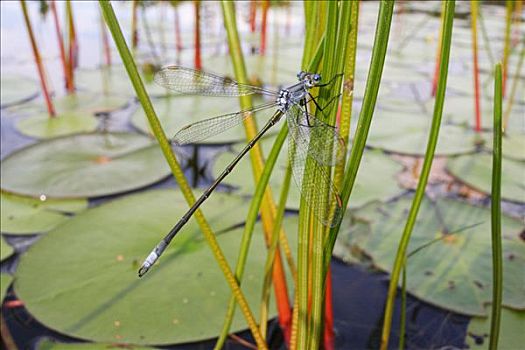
310 140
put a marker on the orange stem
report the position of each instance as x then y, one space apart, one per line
73 47
253 15
198 62
178 39
266 5
281 296
329 335
67 78
38 61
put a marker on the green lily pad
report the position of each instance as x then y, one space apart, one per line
454 272
51 345
511 335
5 249
376 179
476 171
408 134
176 112
16 90
460 110
89 265
43 127
5 282
23 215
84 165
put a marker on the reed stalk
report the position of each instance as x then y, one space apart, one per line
197 49
438 50
477 102
425 171
264 26
38 61
178 173
497 260
72 50
134 31
506 47
62 50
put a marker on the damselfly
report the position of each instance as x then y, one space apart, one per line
309 139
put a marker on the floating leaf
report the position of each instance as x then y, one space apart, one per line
84 165
41 126
88 266
476 171
454 272
511 331
5 249
16 90
23 215
51 345
513 146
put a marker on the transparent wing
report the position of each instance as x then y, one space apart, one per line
204 129
315 185
324 143
193 82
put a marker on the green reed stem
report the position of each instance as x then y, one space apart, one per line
165 145
497 260
377 61
270 258
251 219
427 164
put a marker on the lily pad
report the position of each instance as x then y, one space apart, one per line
511 331
455 272
84 165
176 112
51 345
23 215
376 179
476 171
5 282
5 249
408 134
16 90
43 127
88 266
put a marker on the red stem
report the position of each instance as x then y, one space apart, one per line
67 78
105 41
329 335
134 32
253 15
73 47
266 5
38 61
281 296
436 74
178 39
198 63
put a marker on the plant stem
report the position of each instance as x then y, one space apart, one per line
178 39
440 40
427 164
477 102
403 321
60 39
253 15
197 57
506 48
178 173
105 42
264 26
38 61
514 88
72 48
134 32
497 260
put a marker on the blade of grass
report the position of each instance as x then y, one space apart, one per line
377 61
427 164
514 88
497 260
143 97
477 102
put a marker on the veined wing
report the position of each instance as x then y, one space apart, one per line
322 140
204 129
317 189
193 82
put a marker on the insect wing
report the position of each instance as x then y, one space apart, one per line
193 82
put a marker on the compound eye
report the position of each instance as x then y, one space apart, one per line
317 78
